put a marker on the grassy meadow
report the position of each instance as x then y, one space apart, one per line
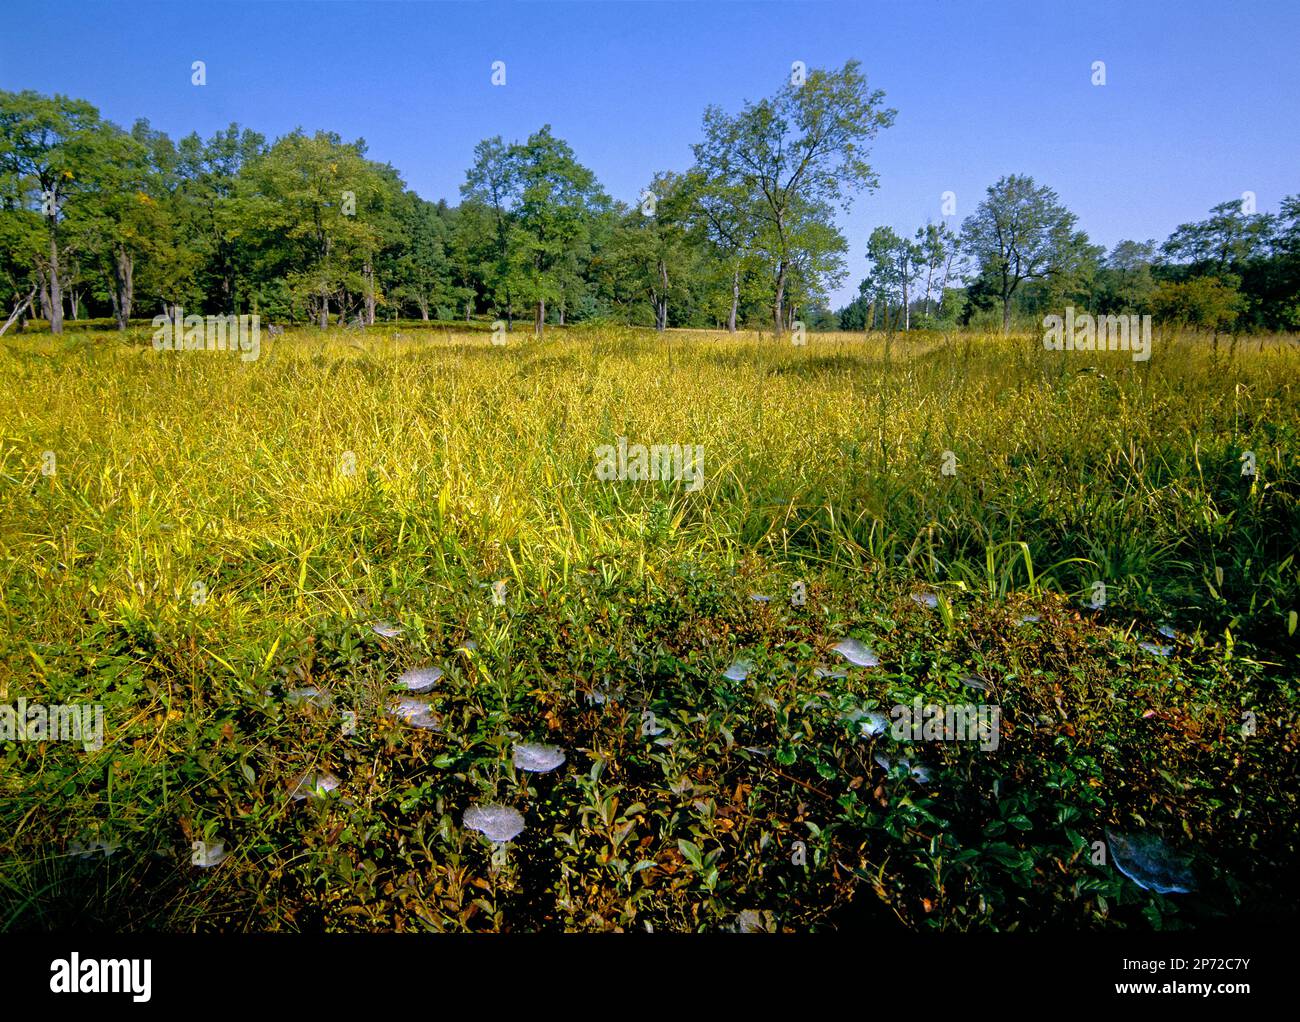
201 544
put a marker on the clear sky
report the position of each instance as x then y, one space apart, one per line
1201 101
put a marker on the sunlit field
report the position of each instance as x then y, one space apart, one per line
1102 548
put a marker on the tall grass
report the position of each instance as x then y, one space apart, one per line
174 468
207 516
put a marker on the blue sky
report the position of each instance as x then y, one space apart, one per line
1201 103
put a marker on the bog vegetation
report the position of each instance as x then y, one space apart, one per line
241 560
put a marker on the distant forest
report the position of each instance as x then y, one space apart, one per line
97 222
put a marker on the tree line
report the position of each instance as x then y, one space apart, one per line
1020 256
101 222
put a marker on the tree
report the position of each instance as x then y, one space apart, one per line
316 207
814 261
894 262
1020 232
1205 303
380 210
721 218
1286 259
557 198
938 249
794 157
21 241
422 270
857 314
1126 281
52 147
472 254
1232 243
1079 282
488 185
1222 242
125 226
215 205
545 205
651 248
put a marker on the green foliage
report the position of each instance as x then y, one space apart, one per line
791 161
1021 232
1203 303
688 801
307 229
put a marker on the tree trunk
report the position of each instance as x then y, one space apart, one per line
907 309
562 304
943 287
539 324
1006 314
368 274
661 303
424 309
735 300
778 307
124 286
18 311
44 294
324 312
56 295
